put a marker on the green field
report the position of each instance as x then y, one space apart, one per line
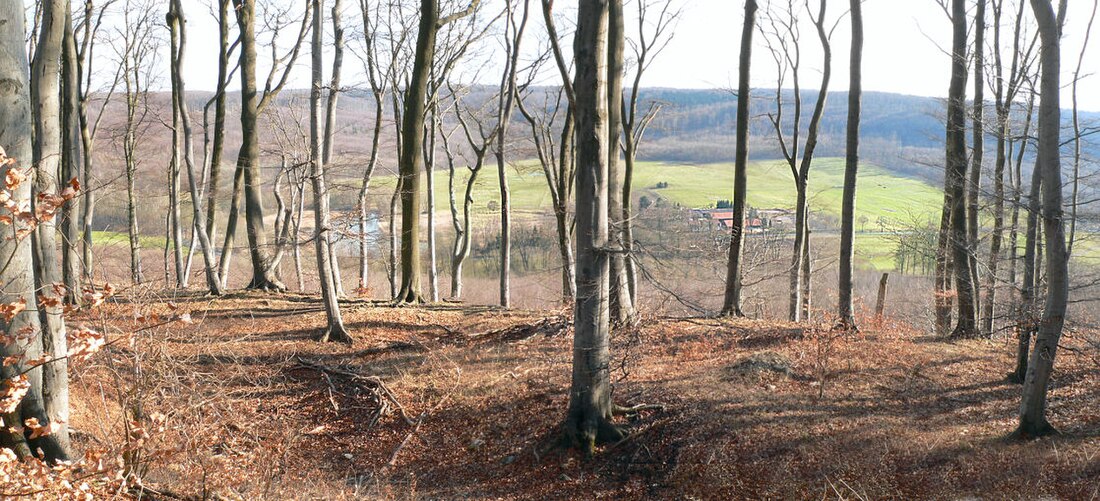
895 200
885 201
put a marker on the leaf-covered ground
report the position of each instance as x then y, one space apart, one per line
453 402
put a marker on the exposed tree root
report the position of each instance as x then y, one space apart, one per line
1032 431
339 335
618 410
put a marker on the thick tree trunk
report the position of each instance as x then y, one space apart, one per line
412 129
851 169
264 277
331 99
1033 421
45 95
731 304
335 330
589 418
18 275
956 160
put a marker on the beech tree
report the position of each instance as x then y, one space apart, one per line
731 304
622 304
45 96
177 25
17 282
506 98
851 168
650 39
335 330
955 193
787 54
412 142
247 178
589 418
136 50
1006 89
1033 421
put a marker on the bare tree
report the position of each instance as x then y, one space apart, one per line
16 275
1077 132
622 304
731 304
786 51
955 180
412 141
331 98
1033 421
513 38
479 145
45 94
589 418
177 24
247 177
1006 88
652 37
335 330
88 32
216 141
977 156
851 168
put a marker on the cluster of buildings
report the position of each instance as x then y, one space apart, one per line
756 220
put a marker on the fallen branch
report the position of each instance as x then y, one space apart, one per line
371 385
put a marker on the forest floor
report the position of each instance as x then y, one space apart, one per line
465 402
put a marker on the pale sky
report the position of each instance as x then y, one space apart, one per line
902 53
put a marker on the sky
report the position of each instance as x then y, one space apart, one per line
903 51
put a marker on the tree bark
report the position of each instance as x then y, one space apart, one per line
731 304
1033 421
335 330
412 128
956 160
45 95
70 164
977 157
851 169
589 418
177 24
218 147
622 305
332 97
18 275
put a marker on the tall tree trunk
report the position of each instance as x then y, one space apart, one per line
851 168
177 24
335 330
45 94
505 106
1026 323
430 130
622 306
589 418
1033 421
70 163
332 96
412 129
18 275
956 161
218 147
264 276
175 227
731 304
974 185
